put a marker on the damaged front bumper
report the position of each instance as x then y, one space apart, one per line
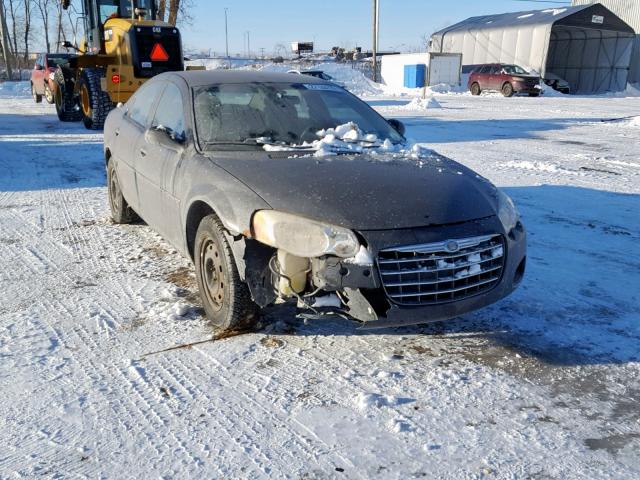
367 297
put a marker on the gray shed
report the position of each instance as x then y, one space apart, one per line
587 45
629 11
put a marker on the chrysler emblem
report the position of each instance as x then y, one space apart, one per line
452 246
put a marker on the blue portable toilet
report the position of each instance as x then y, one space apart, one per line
415 75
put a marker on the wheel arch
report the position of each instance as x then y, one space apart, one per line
198 210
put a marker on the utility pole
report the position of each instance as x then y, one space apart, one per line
248 44
226 31
376 28
6 51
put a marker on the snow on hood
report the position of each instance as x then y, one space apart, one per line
349 138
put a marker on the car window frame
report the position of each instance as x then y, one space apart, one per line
127 113
168 83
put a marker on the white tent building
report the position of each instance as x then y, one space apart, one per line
588 45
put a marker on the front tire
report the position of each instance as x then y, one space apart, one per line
121 212
225 297
94 102
507 90
36 97
475 89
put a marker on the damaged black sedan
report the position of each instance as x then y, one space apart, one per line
283 188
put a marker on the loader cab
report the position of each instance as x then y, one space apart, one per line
97 12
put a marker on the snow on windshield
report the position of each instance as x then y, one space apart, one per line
349 138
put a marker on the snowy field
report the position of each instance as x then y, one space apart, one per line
545 384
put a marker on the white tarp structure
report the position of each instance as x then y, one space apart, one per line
588 46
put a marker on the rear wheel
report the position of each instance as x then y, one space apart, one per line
94 102
48 94
225 297
121 212
36 98
507 90
66 103
475 89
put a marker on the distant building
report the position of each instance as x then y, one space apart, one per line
587 45
629 11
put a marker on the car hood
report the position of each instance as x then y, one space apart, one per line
366 192
526 77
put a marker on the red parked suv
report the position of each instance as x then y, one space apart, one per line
42 75
508 79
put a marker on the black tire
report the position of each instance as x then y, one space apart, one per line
121 212
66 102
225 297
475 88
507 90
36 97
48 94
95 103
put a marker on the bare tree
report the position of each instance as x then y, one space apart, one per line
27 27
4 41
162 9
44 8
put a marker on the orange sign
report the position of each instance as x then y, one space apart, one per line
159 54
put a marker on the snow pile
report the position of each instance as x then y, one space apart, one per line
418 104
15 89
348 138
634 122
353 80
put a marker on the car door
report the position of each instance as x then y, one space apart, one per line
494 77
38 75
129 135
158 154
171 116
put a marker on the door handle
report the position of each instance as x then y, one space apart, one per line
143 152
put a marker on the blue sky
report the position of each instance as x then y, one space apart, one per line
331 22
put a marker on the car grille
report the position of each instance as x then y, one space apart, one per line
448 271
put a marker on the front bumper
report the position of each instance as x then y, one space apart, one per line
527 88
368 301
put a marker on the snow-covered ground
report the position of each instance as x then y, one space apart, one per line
545 384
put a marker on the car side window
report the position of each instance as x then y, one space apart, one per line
170 111
485 69
495 70
140 109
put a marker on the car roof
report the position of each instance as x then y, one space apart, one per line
196 78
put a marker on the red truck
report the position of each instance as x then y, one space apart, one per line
42 75
501 77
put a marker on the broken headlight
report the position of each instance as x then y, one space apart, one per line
303 237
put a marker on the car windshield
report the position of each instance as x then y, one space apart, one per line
514 70
57 60
280 113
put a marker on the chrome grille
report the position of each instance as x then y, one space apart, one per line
442 272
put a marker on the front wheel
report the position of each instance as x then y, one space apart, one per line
225 297
475 89
36 97
507 90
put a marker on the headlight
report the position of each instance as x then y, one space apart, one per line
52 76
507 211
303 237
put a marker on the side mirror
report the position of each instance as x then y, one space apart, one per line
397 125
163 137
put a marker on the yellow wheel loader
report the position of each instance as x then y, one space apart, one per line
124 46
